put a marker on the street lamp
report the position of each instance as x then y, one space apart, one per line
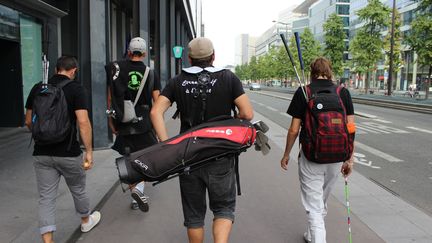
286 27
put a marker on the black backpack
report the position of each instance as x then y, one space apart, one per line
51 121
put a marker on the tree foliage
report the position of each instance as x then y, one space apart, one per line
367 45
420 38
334 37
397 40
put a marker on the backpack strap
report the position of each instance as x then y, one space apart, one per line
143 81
236 165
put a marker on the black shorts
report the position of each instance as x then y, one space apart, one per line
219 179
135 142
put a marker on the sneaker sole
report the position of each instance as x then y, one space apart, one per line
142 205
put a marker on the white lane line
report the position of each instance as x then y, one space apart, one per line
285 114
420 129
271 108
365 129
253 101
383 128
376 152
383 121
261 104
365 115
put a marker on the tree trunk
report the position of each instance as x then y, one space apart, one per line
428 82
367 82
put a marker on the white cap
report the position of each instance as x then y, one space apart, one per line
138 44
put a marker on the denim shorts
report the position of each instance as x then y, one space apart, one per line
218 178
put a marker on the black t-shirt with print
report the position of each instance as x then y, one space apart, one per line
224 87
77 100
131 74
298 105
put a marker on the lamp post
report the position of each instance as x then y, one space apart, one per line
390 75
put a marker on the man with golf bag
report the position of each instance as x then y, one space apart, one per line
203 92
323 114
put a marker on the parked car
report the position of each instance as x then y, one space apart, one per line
255 86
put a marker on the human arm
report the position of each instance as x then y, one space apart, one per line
155 95
157 117
86 136
292 135
28 120
348 165
244 106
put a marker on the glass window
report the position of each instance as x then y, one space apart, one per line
31 53
343 1
342 9
345 21
9 23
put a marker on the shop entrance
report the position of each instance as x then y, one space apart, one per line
11 98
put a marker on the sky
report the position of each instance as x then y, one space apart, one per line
224 20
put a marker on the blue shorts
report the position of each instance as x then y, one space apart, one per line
218 178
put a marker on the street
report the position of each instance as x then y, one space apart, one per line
393 147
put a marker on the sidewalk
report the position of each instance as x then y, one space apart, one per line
19 204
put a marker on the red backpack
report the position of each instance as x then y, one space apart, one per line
324 135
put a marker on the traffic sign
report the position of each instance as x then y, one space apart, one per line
177 50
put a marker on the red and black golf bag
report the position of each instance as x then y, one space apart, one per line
187 151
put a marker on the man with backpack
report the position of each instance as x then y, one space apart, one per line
132 87
203 92
325 120
54 109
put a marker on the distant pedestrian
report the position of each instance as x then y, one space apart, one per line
132 81
317 178
203 92
61 156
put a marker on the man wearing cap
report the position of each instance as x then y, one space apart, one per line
124 80
203 92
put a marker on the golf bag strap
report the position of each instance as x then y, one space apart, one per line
143 81
236 164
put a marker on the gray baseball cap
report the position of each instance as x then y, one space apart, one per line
138 44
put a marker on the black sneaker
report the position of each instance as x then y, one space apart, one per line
141 199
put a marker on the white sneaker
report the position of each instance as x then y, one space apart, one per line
94 219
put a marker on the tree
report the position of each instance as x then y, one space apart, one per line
367 45
420 38
334 37
397 40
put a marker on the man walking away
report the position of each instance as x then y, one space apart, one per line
61 156
125 80
203 92
321 157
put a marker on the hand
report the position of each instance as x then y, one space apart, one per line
112 126
284 162
347 168
88 160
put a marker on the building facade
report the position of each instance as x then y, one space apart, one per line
96 32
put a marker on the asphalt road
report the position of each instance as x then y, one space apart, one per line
394 147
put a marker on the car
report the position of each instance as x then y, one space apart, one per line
255 86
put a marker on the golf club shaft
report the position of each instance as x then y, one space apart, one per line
294 66
297 38
348 209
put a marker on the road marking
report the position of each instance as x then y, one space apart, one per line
253 101
359 159
366 129
285 114
383 121
365 115
420 129
261 104
376 152
271 108
383 128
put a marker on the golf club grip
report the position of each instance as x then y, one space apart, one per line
297 38
287 49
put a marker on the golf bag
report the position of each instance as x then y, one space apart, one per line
187 151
